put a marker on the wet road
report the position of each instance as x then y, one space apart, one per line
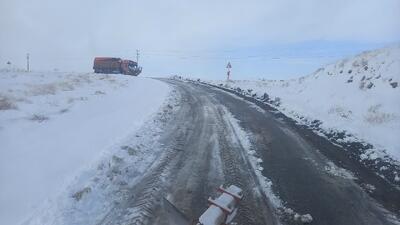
297 163
203 148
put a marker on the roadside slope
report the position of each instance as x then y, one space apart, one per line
355 100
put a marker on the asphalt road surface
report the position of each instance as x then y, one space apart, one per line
203 150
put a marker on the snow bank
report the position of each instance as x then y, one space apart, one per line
360 95
53 125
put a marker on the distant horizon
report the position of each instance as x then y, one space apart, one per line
310 61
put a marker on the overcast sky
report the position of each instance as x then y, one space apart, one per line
272 39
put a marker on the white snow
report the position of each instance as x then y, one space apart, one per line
334 170
356 94
55 125
304 219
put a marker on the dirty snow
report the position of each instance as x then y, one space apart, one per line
360 95
54 126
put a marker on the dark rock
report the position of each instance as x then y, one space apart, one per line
350 79
265 97
79 194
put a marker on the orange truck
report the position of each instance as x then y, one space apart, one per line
116 65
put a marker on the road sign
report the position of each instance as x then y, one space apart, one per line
229 65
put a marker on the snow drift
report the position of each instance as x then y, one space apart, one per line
54 125
360 95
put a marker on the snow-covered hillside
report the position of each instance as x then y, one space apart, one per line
55 125
360 95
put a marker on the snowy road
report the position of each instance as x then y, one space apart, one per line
201 152
213 139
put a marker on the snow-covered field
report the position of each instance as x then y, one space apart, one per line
54 126
360 95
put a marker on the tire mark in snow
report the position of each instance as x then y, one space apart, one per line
145 196
201 152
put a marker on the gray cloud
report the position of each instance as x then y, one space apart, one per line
67 34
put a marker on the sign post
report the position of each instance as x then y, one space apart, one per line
228 73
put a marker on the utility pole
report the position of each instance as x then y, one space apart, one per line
137 56
27 62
